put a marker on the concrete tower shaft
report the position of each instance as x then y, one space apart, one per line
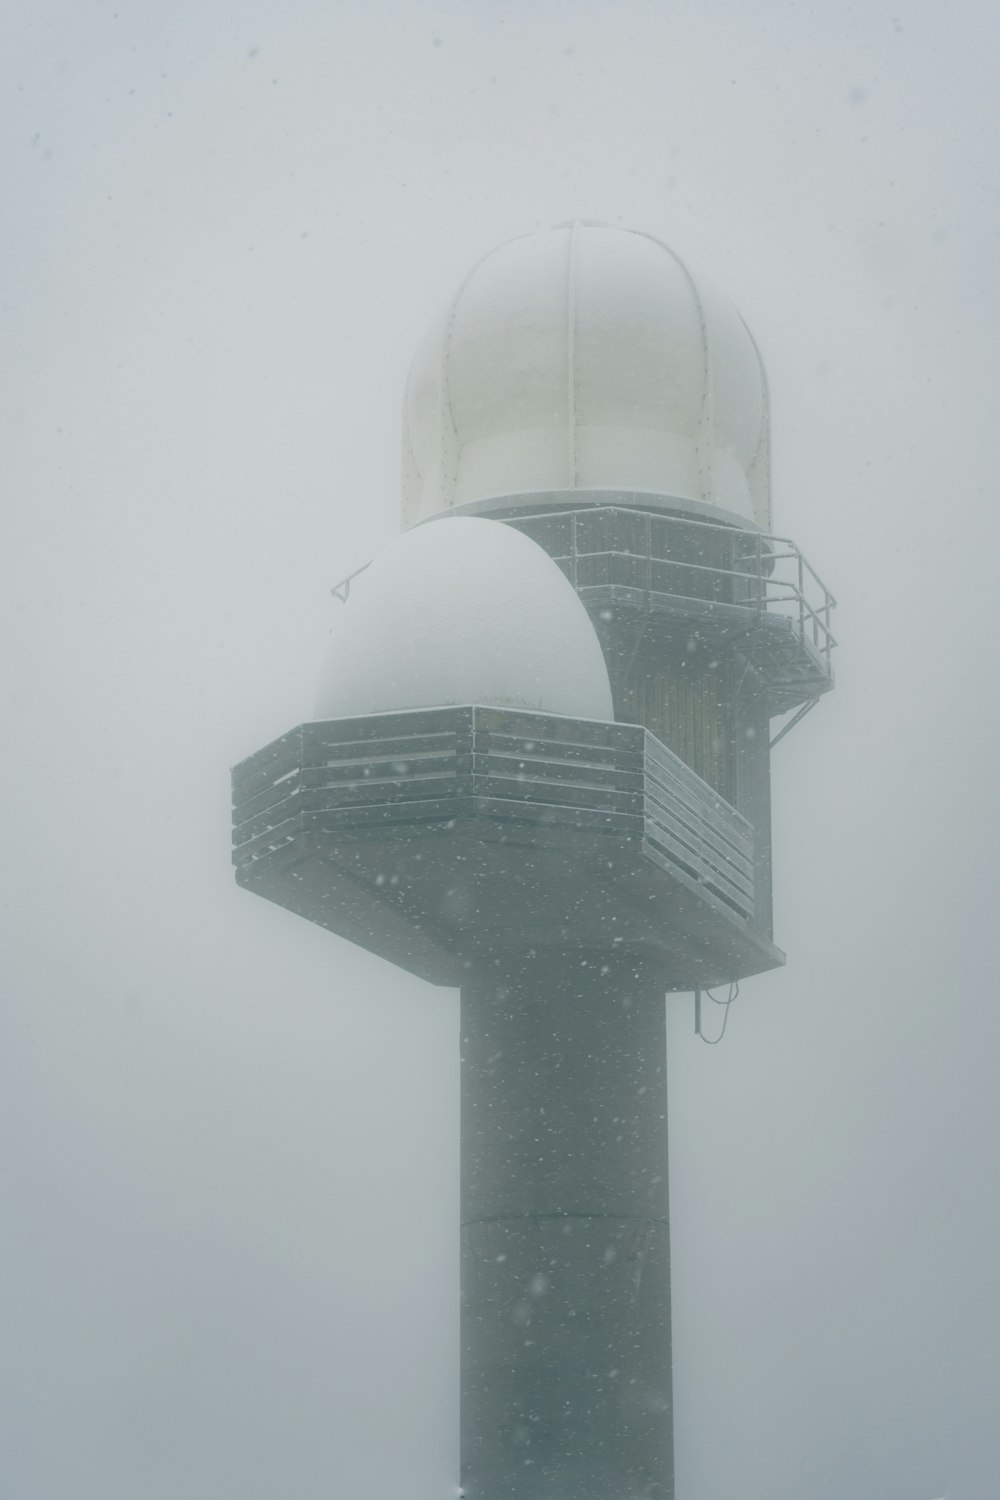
566 1370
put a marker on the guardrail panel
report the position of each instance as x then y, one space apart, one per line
692 826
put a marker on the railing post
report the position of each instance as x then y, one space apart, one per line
649 554
573 553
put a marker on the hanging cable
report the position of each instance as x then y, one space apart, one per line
734 990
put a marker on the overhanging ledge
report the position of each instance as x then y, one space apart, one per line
441 837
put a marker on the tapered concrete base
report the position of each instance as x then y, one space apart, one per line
566 1371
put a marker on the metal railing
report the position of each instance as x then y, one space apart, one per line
685 560
697 830
680 559
353 778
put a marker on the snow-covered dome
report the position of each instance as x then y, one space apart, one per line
586 357
464 610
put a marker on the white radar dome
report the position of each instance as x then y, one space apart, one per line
586 357
464 610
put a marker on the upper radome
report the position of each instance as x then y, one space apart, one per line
464 610
581 358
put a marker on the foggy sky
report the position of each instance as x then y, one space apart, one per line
228 1140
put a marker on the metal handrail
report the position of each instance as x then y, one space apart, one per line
767 550
671 518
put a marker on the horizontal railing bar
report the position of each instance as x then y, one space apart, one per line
557 729
623 824
388 758
665 562
767 581
722 607
250 825
727 843
272 838
332 799
348 794
607 756
738 836
738 859
735 842
477 804
271 796
566 742
251 782
316 744
661 755
447 811
734 877
579 783
576 773
363 784
548 791
670 862
768 585
674 855
656 518
620 760
680 523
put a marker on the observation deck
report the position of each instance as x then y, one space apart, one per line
441 837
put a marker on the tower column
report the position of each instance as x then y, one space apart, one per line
566 1371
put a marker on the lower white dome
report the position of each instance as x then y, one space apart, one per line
464 610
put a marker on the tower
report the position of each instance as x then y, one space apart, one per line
540 771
